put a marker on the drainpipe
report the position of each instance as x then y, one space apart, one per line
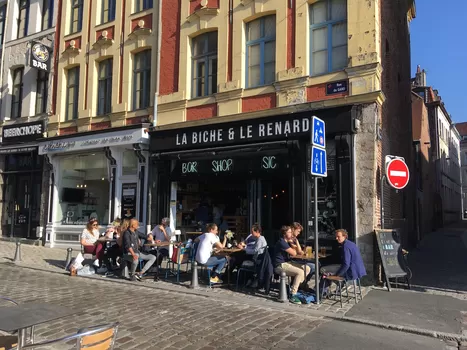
154 122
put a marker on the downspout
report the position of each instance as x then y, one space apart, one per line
154 122
8 3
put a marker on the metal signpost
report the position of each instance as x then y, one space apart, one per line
318 169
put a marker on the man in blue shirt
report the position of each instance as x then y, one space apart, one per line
352 266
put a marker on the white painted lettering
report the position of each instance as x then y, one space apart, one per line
249 131
194 138
219 135
242 136
212 136
261 130
287 127
305 124
278 126
205 136
296 126
231 134
270 132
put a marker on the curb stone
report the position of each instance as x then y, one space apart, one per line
457 338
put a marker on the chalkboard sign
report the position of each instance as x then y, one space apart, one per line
390 252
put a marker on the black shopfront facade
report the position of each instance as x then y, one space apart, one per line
22 175
255 170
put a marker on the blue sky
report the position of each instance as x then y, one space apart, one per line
439 45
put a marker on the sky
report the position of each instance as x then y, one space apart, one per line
439 45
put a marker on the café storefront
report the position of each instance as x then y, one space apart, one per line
96 174
257 170
22 174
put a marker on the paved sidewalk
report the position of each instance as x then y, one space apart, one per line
437 302
52 260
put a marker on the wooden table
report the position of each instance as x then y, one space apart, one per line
24 316
226 252
308 259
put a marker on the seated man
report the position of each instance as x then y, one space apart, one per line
207 242
282 253
161 233
297 228
352 266
131 251
253 244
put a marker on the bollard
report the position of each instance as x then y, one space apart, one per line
283 288
17 258
69 254
194 275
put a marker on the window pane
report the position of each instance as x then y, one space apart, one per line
319 12
200 69
199 45
339 57
254 76
338 9
270 26
254 55
319 39
320 62
254 30
339 34
269 72
270 51
212 42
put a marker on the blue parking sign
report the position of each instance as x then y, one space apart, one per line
318 162
319 132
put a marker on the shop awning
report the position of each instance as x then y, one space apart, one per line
17 149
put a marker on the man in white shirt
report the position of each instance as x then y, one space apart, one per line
207 242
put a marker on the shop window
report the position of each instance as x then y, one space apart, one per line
141 5
72 93
104 94
23 15
17 96
204 51
130 163
328 27
2 23
47 14
84 189
42 91
108 11
142 79
261 51
76 16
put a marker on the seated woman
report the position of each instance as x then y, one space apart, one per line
161 233
115 250
207 242
282 253
90 243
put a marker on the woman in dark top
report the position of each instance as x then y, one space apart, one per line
282 253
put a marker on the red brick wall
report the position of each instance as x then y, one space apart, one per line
110 33
318 93
170 47
101 126
68 131
201 112
258 103
137 120
147 22
291 36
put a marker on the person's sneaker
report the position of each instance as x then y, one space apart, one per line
133 278
138 277
156 278
216 280
294 300
254 285
96 263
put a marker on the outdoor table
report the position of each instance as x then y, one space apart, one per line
158 245
307 259
23 316
226 252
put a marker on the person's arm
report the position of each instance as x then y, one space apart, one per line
260 245
150 238
291 251
298 247
132 252
162 228
220 245
345 265
127 243
197 239
83 239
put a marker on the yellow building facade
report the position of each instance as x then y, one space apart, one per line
239 85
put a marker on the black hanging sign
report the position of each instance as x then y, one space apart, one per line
391 253
129 200
24 132
40 57
337 87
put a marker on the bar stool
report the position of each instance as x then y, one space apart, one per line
341 282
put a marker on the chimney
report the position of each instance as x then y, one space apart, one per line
420 77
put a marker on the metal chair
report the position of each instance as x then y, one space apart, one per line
248 268
93 338
183 256
344 284
208 268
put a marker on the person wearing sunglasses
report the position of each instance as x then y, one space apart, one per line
90 241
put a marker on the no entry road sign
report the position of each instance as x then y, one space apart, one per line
397 173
